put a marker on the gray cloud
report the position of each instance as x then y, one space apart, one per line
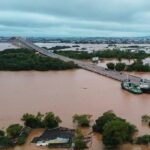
75 17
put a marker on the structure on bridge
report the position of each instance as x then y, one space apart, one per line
120 76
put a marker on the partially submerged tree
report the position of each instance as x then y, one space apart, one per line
145 139
118 132
32 121
51 121
82 120
14 130
104 119
5 142
110 66
114 129
146 119
79 140
2 133
120 66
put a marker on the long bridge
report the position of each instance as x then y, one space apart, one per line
119 76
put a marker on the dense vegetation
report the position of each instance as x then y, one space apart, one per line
117 66
79 140
115 130
102 120
136 66
146 119
5 142
14 130
48 120
82 120
120 66
118 132
116 53
110 66
22 59
59 47
75 54
143 140
17 134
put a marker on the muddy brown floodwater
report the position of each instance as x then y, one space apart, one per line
67 93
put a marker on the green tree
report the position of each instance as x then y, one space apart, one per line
22 140
79 140
51 121
2 133
14 130
117 132
5 142
23 59
104 119
82 120
120 66
110 66
146 118
145 139
32 121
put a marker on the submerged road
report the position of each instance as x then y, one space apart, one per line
119 76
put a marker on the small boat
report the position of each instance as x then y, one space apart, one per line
131 87
145 87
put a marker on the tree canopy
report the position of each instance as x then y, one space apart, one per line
23 59
14 130
118 132
110 66
48 120
114 129
82 120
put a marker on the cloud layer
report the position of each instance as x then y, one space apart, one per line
75 17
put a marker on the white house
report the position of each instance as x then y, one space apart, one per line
146 61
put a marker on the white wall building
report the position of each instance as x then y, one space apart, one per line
146 61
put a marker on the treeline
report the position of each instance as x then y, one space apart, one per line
59 47
114 129
75 54
23 59
115 53
136 66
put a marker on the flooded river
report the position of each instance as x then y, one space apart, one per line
67 93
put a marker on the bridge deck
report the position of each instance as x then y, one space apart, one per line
87 66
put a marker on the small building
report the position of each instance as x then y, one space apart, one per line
53 138
146 61
95 59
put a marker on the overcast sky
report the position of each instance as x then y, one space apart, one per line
75 18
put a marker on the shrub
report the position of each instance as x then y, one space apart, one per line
118 132
14 130
51 121
22 140
143 140
104 119
5 142
2 133
120 66
32 121
79 140
110 66
82 120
